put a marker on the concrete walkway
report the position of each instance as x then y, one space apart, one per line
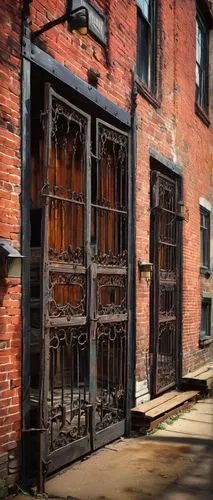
174 463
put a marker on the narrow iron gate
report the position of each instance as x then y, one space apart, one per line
84 290
165 249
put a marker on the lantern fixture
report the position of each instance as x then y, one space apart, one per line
10 260
145 270
77 20
183 212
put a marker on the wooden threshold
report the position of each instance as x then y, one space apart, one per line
200 379
148 415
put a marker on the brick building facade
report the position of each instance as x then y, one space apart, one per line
140 122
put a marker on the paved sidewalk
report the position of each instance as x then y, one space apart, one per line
174 463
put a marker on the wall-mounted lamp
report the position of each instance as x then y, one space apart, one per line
10 260
77 20
183 212
145 270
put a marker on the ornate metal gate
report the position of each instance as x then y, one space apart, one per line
84 293
165 247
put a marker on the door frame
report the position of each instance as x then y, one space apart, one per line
171 170
33 56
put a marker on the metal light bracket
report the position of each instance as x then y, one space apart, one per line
77 20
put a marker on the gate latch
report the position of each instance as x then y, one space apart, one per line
93 327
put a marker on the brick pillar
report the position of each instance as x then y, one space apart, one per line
10 290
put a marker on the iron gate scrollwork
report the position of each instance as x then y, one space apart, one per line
59 303
112 294
69 386
64 390
111 355
166 281
109 224
84 315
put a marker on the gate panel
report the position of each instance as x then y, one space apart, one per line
84 290
110 228
165 282
64 390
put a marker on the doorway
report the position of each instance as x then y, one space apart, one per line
165 290
79 278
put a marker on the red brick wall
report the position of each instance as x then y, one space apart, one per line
79 53
175 131
10 290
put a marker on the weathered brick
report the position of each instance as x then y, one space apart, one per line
173 130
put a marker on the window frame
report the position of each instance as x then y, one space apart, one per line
150 86
205 231
206 304
202 94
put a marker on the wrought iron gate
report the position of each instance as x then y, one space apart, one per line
84 291
165 249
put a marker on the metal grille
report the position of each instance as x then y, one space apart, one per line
68 401
109 215
165 285
65 409
65 186
109 197
84 284
111 374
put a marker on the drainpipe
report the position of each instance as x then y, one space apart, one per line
132 262
25 244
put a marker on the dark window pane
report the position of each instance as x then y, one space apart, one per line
205 256
143 49
201 247
205 319
146 42
201 63
204 238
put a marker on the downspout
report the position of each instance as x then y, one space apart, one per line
179 367
132 261
25 244
134 167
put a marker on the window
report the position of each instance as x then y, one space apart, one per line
205 332
204 238
146 42
202 42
